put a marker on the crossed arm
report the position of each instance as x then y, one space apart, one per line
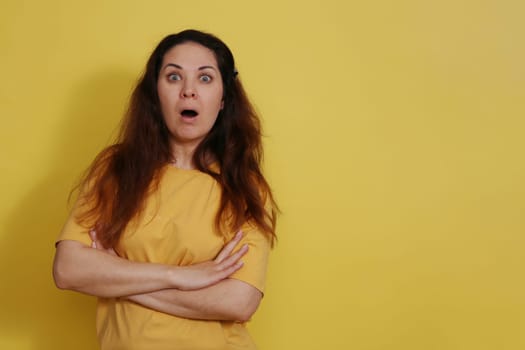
199 291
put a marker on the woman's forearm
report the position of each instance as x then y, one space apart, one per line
92 271
96 272
228 300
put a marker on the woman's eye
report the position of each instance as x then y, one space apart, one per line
174 77
205 78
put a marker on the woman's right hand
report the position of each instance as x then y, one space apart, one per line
207 273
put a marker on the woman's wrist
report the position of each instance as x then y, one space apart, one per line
172 275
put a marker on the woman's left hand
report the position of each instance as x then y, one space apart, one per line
96 244
204 274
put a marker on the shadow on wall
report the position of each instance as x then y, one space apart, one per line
35 314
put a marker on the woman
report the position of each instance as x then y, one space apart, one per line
174 223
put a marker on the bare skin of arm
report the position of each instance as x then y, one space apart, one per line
102 273
228 300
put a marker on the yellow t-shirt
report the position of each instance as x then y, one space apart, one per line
177 228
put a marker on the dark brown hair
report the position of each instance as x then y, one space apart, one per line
117 183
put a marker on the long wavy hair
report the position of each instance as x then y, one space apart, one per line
115 186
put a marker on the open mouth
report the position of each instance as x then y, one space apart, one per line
189 113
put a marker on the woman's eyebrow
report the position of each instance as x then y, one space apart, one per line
179 67
172 65
204 67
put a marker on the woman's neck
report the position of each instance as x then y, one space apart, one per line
183 156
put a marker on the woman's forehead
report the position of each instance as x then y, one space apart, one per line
190 55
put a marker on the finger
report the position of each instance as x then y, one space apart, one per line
231 269
93 236
228 248
234 258
112 251
95 242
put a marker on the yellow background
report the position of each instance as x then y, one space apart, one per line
395 144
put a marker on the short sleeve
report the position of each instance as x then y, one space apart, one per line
255 261
72 230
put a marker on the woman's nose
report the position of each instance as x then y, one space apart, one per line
188 91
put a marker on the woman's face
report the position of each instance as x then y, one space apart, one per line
190 92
